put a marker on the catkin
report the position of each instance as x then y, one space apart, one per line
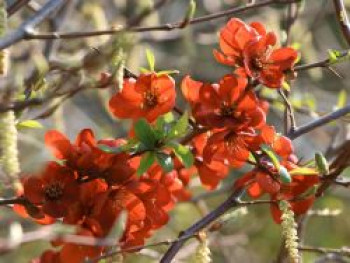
8 142
120 64
8 131
203 252
289 231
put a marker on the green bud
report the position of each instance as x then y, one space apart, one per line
321 163
189 13
284 175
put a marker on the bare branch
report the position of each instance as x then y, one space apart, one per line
323 63
232 201
319 122
26 28
344 251
17 5
343 19
164 27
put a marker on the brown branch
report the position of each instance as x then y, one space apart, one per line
342 18
325 63
292 15
13 201
21 105
231 202
163 27
319 122
289 122
340 163
344 251
17 5
27 27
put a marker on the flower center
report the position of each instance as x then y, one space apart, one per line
226 111
53 191
257 64
150 99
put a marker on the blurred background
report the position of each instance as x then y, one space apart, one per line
251 237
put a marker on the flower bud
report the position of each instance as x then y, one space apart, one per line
284 175
321 163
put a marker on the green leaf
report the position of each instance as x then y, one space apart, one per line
150 59
342 98
183 153
165 161
144 70
164 124
165 119
180 128
272 156
110 149
284 175
303 171
251 158
191 10
167 72
333 56
29 124
146 162
321 163
145 134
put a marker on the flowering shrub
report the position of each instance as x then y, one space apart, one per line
92 183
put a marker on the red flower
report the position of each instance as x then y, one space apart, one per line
266 65
88 160
231 147
79 211
300 187
233 39
211 173
259 181
250 46
149 97
55 190
76 253
48 256
227 104
281 145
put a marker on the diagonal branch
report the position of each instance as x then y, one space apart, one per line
343 19
319 122
164 27
232 201
26 28
325 63
17 5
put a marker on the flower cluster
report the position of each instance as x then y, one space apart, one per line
90 188
93 182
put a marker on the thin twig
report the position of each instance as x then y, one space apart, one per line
344 251
13 201
17 5
342 18
323 63
163 27
319 122
289 113
27 27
